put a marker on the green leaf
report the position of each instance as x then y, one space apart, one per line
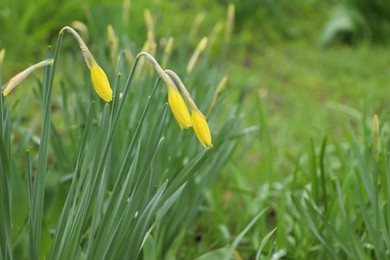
5 207
263 242
220 253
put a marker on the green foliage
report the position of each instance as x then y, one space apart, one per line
355 20
346 204
29 23
107 177
255 14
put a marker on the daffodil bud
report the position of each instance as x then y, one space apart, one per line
179 108
229 22
100 82
112 41
2 54
22 75
195 56
201 128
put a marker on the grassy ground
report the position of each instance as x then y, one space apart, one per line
308 92
299 94
328 93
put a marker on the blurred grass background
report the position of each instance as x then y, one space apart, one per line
311 69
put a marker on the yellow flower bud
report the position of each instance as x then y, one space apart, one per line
201 128
229 22
2 54
179 108
100 82
195 56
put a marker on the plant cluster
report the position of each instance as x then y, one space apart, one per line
118 186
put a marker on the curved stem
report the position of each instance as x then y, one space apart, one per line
183 89
162 74
84 49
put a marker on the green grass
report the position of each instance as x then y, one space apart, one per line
301 94
311 90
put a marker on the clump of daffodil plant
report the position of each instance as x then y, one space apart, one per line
118 172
